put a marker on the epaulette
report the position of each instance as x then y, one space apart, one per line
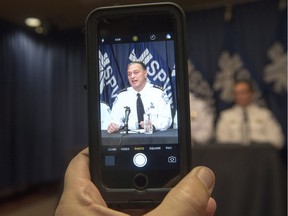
158 87
122 90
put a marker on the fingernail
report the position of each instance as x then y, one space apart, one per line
207 177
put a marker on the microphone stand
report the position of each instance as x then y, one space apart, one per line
127 113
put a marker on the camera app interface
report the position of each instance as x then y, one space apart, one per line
138 107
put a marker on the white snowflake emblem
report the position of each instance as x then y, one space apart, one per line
231 68
276 72
198 85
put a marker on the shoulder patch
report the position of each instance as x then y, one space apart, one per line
158 87
122 90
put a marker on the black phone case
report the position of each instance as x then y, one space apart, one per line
133 198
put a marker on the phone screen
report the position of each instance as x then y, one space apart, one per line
138 57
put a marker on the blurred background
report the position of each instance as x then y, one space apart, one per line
43 102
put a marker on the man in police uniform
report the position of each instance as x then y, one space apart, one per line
154 100
201 121
105 115
246 122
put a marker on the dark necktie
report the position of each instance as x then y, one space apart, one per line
245 116
246 139
140 108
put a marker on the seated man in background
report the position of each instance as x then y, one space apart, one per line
201 120
246 122
105 115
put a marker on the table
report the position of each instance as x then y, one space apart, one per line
169 136
250 180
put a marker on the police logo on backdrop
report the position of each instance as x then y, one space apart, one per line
109 76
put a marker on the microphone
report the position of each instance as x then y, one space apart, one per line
127 113
126 118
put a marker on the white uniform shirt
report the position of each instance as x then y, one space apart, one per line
105 115
201 119
154 99
261 125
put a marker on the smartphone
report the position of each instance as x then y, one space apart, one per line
137 49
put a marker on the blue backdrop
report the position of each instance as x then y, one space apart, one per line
253 44
158 57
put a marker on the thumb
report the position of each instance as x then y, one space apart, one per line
190 196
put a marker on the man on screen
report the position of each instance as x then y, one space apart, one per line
142 97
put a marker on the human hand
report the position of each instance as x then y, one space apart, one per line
191 196
112 127
141 124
